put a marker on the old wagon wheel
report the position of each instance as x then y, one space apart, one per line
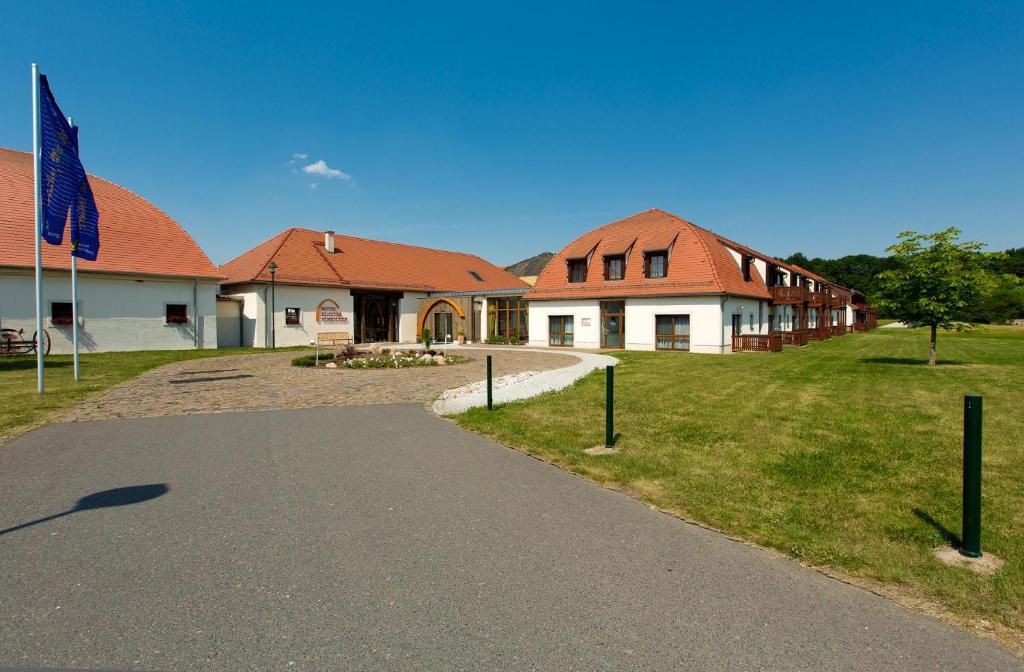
42 343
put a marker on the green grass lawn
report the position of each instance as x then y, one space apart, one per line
844 454
23 408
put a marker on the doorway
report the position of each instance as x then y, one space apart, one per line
376 317
613 324
443 330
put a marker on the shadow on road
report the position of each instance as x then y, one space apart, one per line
133 494
208 379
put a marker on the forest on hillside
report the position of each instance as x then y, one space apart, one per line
1003 300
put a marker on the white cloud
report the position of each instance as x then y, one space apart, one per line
323 170
299 157
312 185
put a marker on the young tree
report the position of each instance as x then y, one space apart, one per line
937 277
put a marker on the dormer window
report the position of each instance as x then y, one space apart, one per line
577 270
476 276
746 267
656 264
615 267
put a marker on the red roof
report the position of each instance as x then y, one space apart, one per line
698 263
135 236
302 259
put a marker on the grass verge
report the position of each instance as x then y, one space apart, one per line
845 454
23 408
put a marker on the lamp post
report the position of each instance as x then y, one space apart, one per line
273 293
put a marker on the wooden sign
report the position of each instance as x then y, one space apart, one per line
330 312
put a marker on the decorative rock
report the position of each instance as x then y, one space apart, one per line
425 357
375 348
331 365
439 359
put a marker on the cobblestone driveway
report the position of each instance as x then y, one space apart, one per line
268 381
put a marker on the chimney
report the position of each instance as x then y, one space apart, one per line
329 241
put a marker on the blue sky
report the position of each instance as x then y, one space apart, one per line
820 127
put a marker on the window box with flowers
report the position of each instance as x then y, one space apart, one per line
176 313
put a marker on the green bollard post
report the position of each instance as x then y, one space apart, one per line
489 395
609 407
971 529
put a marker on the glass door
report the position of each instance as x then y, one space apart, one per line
613 324
443 327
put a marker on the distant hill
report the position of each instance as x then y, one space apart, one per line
532 266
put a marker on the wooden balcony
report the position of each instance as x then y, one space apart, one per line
795 337
816 299
791 295
838 302
757 343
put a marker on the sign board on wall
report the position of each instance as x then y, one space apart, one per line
328 311
585 322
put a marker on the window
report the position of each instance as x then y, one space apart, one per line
672 332
773 322
656 265
60 313
176 313
506 318
292 316
737 324
476 276
752 322
746 267
577 270
560 330
615 267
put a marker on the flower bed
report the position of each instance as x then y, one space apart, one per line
382 359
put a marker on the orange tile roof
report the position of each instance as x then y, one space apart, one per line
699 262
135 235
302 259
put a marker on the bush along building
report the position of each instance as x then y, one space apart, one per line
304 282
152 287
654 281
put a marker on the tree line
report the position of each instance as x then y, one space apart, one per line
1000 295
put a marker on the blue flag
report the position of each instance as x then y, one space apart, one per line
85 217
62 171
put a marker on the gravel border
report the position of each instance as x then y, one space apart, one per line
519 386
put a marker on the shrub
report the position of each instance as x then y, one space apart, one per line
425 338
310 360
494 339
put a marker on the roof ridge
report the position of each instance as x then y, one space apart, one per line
391 242
284 238
707 251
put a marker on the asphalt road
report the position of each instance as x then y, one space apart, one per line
380 537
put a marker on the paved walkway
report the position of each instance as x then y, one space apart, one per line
384 538
269 381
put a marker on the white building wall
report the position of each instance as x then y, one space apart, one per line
705 321
586 335
407 314
754 312
116 313
256 305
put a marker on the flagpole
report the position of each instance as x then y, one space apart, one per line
74 292
37 173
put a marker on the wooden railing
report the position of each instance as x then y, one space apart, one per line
757 343
788 294
821 333
795 337
838 302
816 298
839 330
